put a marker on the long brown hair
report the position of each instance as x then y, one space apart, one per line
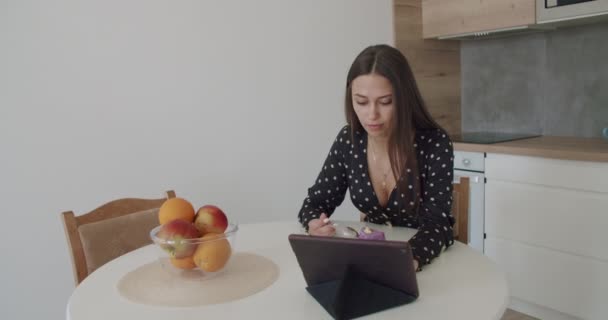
411 113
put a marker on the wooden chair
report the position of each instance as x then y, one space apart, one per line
460 209
110 230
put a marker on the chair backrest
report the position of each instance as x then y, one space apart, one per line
460 209
109 231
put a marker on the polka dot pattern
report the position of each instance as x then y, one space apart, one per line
346 168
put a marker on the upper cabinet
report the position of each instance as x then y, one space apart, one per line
460 18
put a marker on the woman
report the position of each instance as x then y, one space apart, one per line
394 159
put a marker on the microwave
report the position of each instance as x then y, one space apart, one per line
549 11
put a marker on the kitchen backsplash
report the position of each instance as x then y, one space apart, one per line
553 83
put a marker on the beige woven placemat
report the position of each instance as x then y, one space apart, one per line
245 275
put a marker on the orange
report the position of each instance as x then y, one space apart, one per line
175 208
183 263
211 256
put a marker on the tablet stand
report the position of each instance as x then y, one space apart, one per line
355 296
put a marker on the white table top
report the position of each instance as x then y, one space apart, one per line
460 284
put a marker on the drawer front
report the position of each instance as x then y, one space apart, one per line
473 161
566 220
566 283
581 175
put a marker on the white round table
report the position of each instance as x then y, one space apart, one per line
460 284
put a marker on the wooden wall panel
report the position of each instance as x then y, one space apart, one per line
436 64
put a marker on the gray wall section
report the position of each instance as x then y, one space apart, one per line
553 83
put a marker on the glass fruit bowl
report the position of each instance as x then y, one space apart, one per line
201 257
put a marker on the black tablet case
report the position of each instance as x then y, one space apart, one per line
351 278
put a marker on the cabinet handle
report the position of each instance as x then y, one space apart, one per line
466 162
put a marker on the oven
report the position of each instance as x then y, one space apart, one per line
472 165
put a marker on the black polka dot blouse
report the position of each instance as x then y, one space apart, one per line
346 169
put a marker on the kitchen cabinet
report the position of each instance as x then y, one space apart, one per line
452 18
545 225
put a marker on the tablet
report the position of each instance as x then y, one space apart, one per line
329 259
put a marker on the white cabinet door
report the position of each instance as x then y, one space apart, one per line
545 222
571 221
549 278
578 175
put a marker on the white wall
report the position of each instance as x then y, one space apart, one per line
228 102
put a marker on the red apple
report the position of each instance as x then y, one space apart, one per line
210 219
176 235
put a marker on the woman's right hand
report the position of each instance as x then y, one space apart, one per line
317 227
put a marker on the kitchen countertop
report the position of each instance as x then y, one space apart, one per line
567 148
